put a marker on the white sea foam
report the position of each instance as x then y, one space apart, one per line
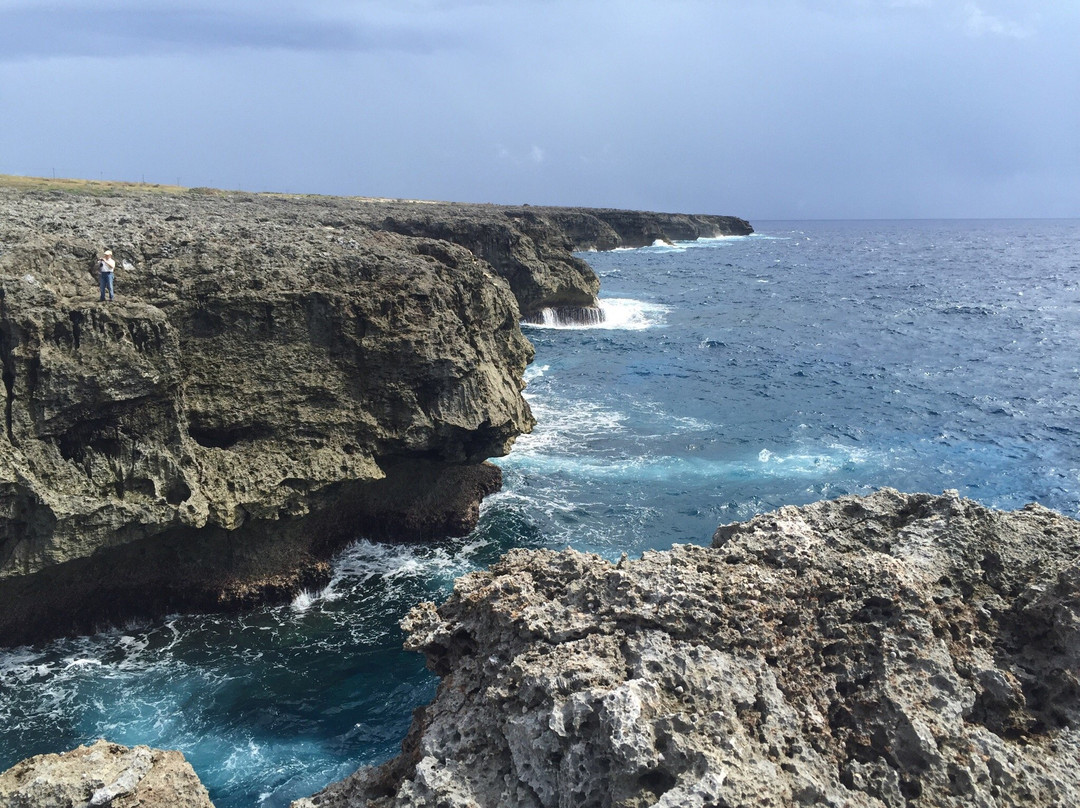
509 497
566 426
633 315
809 464
670 422
395 565
719 239
661 246
666 468
77 663
621 314
534 372
305 600
567 512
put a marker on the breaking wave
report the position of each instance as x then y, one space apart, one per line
620 314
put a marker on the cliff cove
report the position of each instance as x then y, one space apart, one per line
870 650
276 376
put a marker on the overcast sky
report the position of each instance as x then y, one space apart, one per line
760 108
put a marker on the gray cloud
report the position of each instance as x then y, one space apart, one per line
837 108
125 31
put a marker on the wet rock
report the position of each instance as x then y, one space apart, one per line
890 650
104 774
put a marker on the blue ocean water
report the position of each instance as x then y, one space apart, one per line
731 376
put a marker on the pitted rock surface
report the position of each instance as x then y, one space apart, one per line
273 379
104 774
276 376
893 650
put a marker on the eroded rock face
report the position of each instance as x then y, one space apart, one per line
276 376
532 247
606 228
104 774
273 379
525 248
884 651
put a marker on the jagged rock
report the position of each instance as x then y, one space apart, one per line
277 375
104 774
527 249
891 650
271 381
606 228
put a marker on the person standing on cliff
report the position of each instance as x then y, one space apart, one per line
106 267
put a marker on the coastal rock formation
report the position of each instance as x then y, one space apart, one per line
528 250
104 774
608 229
532 247
271 381
884 651
277 375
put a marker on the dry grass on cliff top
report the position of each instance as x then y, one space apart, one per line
98 187
117 188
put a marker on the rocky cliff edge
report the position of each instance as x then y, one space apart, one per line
894 650
277 375
104 775
532 247
273 379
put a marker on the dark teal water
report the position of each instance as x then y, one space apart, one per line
733 376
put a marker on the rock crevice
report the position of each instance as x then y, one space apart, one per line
881 651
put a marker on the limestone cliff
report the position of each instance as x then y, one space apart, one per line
532 247
271 380
104 774
607 229
530 251
277 375
895 650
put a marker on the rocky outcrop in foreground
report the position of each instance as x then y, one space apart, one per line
104 774
895 650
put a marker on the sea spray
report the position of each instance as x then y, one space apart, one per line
611 314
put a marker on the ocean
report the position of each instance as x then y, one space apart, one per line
731 376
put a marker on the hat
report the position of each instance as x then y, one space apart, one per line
108 252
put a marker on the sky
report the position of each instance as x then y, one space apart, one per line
765 109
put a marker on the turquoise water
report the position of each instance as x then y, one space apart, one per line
732 376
